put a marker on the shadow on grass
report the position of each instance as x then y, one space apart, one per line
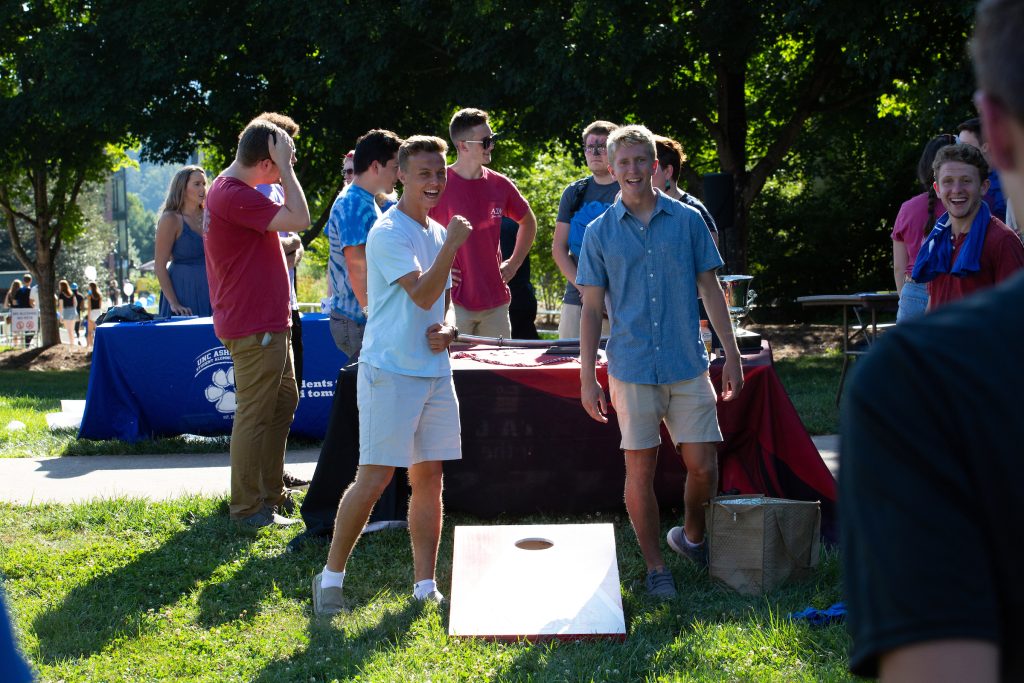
339 650
121 603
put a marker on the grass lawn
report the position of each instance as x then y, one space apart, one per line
137 591
811 382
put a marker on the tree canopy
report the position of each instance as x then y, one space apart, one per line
743 86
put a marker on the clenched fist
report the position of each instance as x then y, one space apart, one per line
459 231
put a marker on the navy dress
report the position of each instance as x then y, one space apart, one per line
188 274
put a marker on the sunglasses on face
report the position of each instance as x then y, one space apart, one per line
487 142
595 149
349 171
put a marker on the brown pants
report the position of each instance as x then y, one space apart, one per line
266 398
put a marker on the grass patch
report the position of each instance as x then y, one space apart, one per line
129 590
811 382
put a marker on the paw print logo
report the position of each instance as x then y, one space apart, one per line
222 392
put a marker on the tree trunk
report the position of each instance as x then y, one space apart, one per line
45 274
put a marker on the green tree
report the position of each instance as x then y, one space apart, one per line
62 106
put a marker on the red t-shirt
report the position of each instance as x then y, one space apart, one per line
244 262
1002 254
483 202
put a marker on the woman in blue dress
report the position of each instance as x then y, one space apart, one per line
179 240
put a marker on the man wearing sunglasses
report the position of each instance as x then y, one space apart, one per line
582 201
480 295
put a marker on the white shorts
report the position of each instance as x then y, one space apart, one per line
688 408
404 420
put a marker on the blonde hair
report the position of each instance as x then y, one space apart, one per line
417 144
176 190
631 135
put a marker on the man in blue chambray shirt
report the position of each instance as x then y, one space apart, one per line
652 254
353 214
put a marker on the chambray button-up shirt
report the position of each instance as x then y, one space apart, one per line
650 276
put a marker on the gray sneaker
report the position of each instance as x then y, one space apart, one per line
660 585
327 601
265 516
697 554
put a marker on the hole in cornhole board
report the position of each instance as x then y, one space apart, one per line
536 582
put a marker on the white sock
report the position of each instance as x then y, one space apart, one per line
331 579
422 589
691 543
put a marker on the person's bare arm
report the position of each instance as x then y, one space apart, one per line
441 335
942 661
293 216
355 262
560 253
524 240
899 263
591 394
718 314
424 288
168 228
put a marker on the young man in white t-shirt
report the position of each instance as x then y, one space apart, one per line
408 413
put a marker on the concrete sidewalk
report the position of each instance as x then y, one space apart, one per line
158 477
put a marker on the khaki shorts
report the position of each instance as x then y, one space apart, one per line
404 420
688 409
490 322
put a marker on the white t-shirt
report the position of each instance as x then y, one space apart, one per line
395 338
33 296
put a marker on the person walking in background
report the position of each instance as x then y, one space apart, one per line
582 201
184 289
93 309
68 310
914 221
11 301
80 309
480 275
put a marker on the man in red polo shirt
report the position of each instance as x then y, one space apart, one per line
480 276
249 292
969 249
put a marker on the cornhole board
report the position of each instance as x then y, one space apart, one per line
536 582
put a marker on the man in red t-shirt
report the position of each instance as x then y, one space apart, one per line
249 293
961 180
480 276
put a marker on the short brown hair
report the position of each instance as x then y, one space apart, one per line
998 52
967 154
670 153
464 120
630 135
598 128
285 123
417 144
252 142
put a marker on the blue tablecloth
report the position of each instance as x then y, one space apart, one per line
174 377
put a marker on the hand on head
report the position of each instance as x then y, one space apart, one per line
282 149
